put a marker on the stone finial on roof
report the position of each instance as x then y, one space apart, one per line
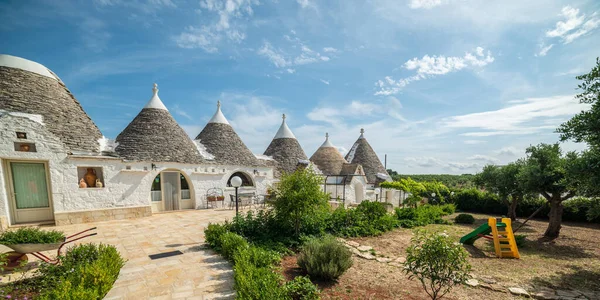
155 101
218 117
284 131
327 143
362 132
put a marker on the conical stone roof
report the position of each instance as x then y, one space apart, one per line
362 153
285 149
29 87
328 159
221 142
155 136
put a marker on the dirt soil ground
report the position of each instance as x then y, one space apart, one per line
569 262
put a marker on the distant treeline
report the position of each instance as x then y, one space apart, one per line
451 181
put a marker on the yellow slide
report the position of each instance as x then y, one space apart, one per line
504 241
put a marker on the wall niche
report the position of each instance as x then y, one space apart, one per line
90 177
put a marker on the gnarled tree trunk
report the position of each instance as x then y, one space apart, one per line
512 209
555 217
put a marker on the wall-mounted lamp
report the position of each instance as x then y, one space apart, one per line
153 166
255 172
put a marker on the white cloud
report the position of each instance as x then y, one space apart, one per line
544 50
291 71
334 114
280 59
474 142
520 117
432 162
430 66
574 25
324 81
330 49
509 151
307 4
426 4
178 110
484 158
225 27
275 56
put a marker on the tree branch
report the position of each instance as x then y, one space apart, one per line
570 195
546 195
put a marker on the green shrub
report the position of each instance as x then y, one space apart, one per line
298 195
448 209
407 223
301 288
213 233
31 235
231 243
405 213
464 219
520 240
87 271
257 256
325 258
252 282
371 210
438 262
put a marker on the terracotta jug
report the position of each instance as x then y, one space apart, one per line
90 177
98 183
82 183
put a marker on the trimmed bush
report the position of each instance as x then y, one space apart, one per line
464 219
212 235
231 243
301 288
325 258
87 271
252 282
448 209
257 256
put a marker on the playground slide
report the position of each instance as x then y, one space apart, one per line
484 229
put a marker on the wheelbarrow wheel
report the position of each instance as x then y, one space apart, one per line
14 259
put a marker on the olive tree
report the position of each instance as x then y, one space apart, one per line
585 127
504 181
553 175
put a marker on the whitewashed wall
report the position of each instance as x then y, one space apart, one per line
49 148
122 187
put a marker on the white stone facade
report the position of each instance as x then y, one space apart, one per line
126 184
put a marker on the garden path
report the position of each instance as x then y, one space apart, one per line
198 273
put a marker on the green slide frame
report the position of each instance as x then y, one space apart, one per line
484 229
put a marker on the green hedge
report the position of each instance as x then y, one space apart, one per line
575 209
253 266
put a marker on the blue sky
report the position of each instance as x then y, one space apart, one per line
441 86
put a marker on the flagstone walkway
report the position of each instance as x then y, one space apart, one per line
199 273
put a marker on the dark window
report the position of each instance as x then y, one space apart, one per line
246 180
156 183
184 183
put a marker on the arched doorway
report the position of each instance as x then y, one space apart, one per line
359 192
246 179
171 191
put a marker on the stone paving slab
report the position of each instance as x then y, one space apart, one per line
199 273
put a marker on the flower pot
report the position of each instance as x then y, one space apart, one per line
90 177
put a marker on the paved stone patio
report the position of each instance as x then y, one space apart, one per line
199 273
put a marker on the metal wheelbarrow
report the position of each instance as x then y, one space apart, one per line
19 255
